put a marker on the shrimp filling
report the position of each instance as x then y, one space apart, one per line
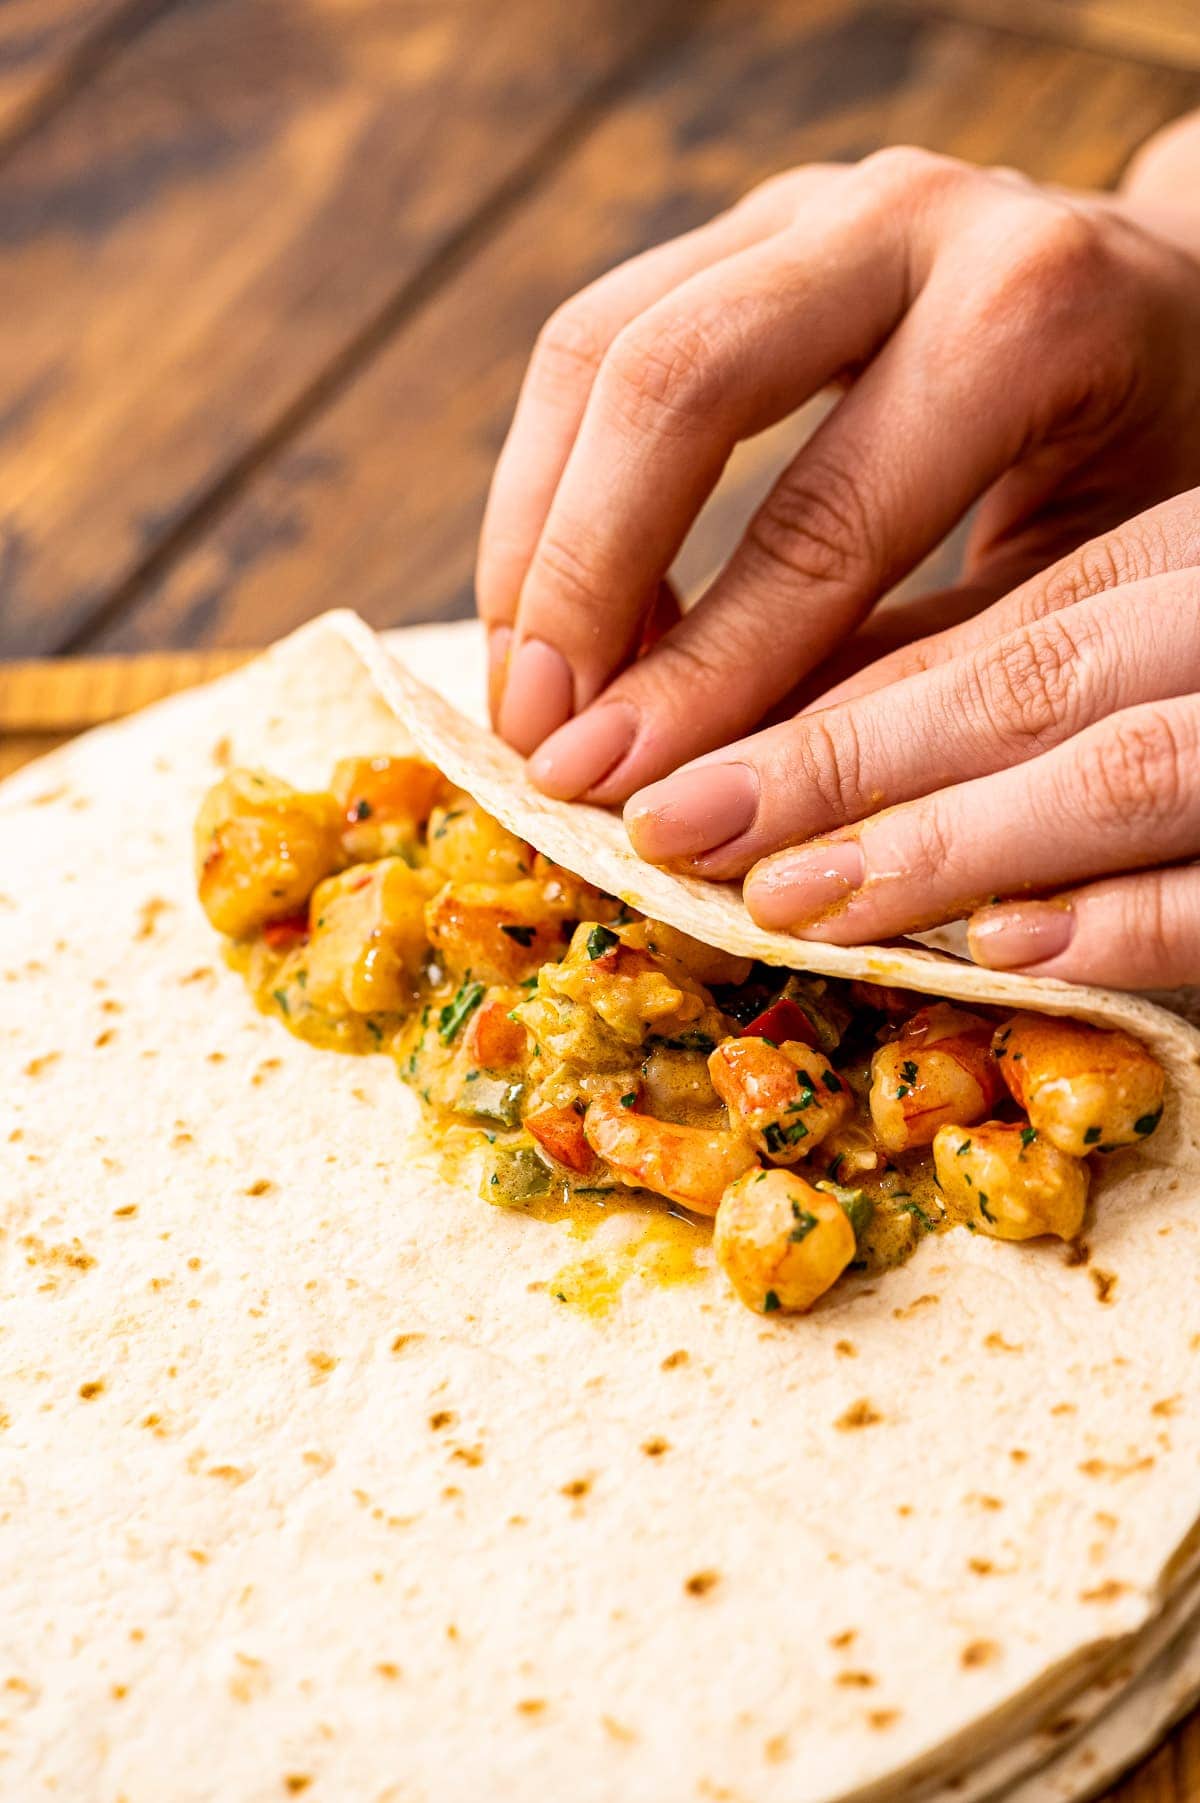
824 1126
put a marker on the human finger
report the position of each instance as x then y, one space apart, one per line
1129 932
1117 797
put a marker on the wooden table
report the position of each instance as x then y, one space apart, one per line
271 269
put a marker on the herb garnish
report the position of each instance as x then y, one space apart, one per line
629 1100
599 941
770 1303
779 1138
1092 1136
454 1016
523 935
1147 1123
805 1222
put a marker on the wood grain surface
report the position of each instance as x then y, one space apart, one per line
270 271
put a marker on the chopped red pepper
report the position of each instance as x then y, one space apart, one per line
497 1042
784 1019
560 1131
288 931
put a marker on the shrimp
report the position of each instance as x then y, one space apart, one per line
784 1098
940 1069
261 848
688 1165
384 801
501 934
468 846
631 992
367 939
780 1242
1085 1089
1007 1180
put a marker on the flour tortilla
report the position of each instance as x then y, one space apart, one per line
238 1293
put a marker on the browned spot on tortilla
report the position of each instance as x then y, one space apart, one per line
655 1446
49 796
1076 1252
859 1414
105 1038
232 1474
701 1582
295 1782
531 1705
578 1486
1108 1592
1063 1408
123 1214
996 1342
18 1133
1111 1468
911 1308
856 1680
904 1509
155 1423
405 1339
442 1418
1169 1405
37 1067
215 1057
261 1187
978 1652
321 1363
983 1568
846 1349
673 1359
1104 1282
468 1455
69 1255
1063 1724
110 1005
180 1140
882 1718
1018 1455
983 1501
618 1730
203 973
387 1669
222 752
845 1638
149 914
776 1750
117 1691
90 1391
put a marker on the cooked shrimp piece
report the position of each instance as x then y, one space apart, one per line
688 1165
780 1242
1009 1181
261 849
785 1099
1085 1089
384 801
500 934
940 1069
703 962
468 846
367 941
631 992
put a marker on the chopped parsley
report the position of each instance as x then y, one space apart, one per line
1146 1123
1092 1136
362 810
454 814
523 935
984 1210
455 1015
599 941
965 1147
280 996
629 1100
835 1166
908 1070
1028 1135
918 1213
855 1204
805 1222
770 1303
832 1082
778 1137
688 1042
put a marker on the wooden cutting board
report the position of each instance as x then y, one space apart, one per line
44 703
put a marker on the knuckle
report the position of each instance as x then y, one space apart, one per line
666 370
815 527
1030 686
570 346
825 758
903 170
1132 774
1144 546
565 569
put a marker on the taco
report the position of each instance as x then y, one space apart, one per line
326 1475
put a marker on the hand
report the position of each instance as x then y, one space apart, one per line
994 339
1051 742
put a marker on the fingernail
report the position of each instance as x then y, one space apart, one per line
693 811
576 757
798 888
499 643
1006 938
538 695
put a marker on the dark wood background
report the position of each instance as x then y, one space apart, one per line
270 270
